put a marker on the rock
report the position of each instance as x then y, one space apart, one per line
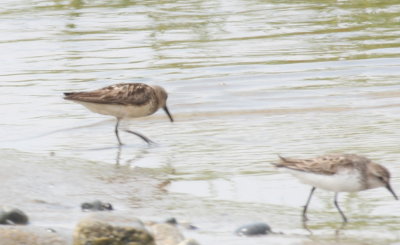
96 206
184 224
21 235
166 234
189 242
9 215
254 229
171 221
110 229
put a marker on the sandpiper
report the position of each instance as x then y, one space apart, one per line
124 100
338 173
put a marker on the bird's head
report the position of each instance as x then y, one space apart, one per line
162 97
379 176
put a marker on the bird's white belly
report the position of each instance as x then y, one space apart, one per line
346 181
119 111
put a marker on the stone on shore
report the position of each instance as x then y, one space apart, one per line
189 241
166 234
169 234
11 216
110 229
25 235
96 205
254 229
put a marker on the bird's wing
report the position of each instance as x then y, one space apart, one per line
122 94
328 164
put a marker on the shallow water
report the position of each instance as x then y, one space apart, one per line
247 80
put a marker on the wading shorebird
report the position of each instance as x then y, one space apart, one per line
124 100
338 173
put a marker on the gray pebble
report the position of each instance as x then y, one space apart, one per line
171 221
254 229
96 206
11 216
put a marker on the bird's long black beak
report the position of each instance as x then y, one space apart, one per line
391 191
169 114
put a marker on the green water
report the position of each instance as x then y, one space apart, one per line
247 80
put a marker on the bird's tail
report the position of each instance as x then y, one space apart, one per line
278 165
69 96
283 159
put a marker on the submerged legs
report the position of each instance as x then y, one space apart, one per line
335 202
148 141
338 208
116 131
308 202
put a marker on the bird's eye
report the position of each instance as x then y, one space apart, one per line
380 178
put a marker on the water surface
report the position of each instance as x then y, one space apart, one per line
247 80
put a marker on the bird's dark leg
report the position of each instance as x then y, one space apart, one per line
118 157
116 131
148 141
338 208
308 202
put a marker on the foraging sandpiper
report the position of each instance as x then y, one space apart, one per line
338 173
124 100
